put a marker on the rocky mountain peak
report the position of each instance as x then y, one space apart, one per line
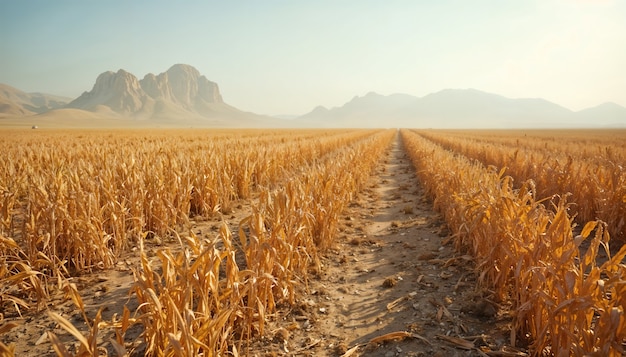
118 90
180 89
156 87
180 69
188 86
120 81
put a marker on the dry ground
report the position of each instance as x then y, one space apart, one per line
393 270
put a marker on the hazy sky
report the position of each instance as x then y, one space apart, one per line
286 57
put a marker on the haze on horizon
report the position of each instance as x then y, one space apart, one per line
284 57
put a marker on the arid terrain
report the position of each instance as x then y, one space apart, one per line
392 273
392 285
334 179
311 242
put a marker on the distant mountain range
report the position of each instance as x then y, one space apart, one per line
180 93
182 96
462 108
179 96
14 102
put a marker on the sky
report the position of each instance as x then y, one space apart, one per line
281 57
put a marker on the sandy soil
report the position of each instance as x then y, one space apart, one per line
392 271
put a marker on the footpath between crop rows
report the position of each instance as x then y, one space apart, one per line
392 285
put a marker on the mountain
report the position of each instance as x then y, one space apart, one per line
609 114
181 93
14 102
119 91
468 107
461 108
371 110
181 96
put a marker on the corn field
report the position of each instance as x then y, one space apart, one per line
74 203
567 290
537 214
588 166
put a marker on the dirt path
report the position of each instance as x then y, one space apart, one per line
392 271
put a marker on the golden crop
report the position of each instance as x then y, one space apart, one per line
567 299
189 303
75 202
588 165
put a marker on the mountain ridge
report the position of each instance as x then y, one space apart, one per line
461 108
179 92
183 95
15 102
180 96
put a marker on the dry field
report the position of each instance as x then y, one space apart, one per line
585 167
566 291
311 242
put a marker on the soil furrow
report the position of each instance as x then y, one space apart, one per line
393 273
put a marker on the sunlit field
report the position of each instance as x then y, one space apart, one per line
218 231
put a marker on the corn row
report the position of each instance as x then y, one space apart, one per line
580 144
204 302
561 296
596 182
77 207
